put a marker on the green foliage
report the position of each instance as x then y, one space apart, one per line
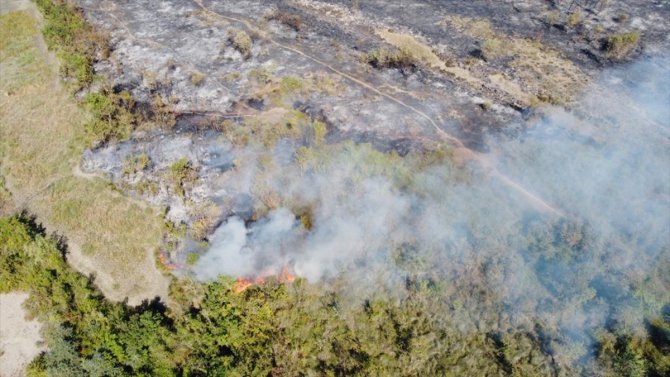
290 84
75 41
78 45
182 174
112 115
136 163
620 45
86 334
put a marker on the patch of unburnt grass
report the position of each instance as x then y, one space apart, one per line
42 136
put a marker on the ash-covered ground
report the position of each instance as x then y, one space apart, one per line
472 67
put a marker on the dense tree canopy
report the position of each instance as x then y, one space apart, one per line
285 329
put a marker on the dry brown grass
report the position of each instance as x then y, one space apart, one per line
41 140
540 73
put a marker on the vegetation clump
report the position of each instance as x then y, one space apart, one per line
492 48
112 115
242 43
182 174
574 18
291 20
136 163
75 41
197 78
390 58
620 45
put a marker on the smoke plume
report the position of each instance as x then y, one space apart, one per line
605 164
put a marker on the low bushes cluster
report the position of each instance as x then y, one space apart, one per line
75 42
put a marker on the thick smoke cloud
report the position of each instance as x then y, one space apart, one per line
605 165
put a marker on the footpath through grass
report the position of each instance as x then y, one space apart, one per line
42 136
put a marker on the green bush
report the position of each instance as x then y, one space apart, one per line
136 163
74 41
182 174
619 45
112 115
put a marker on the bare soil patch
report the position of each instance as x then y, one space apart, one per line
20 339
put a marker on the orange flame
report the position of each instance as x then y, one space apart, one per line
286 276
242 283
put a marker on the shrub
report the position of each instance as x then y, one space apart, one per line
320 131
242 43
135 164
574 18
492 48
552 18
78 67
112 115
192 259
75 42
385 58
621 18
291 20
182 173
290 84
197 78
619 45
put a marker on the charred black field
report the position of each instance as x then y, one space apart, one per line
356 187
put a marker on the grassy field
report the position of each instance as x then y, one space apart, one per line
41 140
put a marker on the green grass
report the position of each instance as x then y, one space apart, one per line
42 136
20 62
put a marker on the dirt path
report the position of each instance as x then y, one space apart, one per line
20 339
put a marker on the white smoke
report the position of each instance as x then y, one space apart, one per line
605 165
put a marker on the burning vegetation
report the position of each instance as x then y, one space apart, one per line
284 277
304 238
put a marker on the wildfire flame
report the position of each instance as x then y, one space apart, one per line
242 283
169 265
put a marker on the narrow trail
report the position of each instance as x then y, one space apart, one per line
533 199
